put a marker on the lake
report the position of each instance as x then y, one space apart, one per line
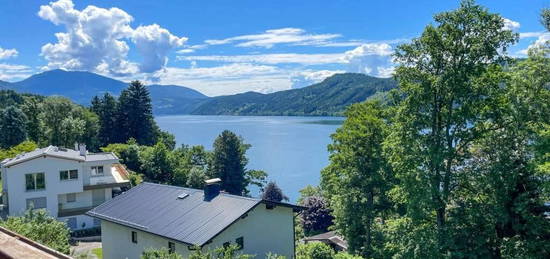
292 150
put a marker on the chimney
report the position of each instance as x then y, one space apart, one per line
82 149
212 188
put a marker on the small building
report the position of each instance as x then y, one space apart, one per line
331 238
183 220
15 246
65 182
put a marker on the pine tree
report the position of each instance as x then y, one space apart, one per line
106 108
135 115
13 124
229 162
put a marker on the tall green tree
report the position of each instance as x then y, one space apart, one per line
358 177
35 126
106 107
229 162
135 115
13 127
443 106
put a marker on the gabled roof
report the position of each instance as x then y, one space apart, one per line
331 237
58 152
13 245
189 219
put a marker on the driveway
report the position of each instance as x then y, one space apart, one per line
84 250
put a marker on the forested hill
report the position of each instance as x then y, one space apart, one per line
81 86
329 97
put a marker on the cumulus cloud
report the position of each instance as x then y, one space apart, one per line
96 40
8 53
510 25
542 39
269 38
309 77
372 58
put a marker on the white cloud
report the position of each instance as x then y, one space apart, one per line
11 72
269 38
309 77
154 43
304 59
372 58
510 25
524 35
96 40
543 38
8 53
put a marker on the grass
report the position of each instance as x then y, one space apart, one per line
0 187
98 252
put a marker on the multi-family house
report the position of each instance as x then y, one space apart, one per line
184 220
65 182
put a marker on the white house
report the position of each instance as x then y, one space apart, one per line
65 182
182 220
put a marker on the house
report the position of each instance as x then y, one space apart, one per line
65 182
15 246
330 238
182 220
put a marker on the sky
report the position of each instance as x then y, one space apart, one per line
228 47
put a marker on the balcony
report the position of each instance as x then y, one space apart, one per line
118 177
72 211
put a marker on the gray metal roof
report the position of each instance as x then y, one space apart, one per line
156 209
58 152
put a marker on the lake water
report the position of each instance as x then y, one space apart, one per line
292 150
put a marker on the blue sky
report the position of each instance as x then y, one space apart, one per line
226 47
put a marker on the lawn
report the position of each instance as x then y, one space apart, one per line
98 252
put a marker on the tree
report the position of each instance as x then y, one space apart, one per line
442 106
13 129
106 108
40 227
157 163
545 18
229 162
316 218
135 115
33 110
23 147
272 192
358 177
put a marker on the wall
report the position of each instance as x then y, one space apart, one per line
263 231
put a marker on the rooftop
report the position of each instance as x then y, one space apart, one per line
58 152
13 245
177 213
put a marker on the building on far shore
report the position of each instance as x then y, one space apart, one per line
183 220
15 246
65 182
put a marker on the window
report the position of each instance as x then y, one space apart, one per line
37 203
71 223
97 170
171 247
134 237
68 175
240 242
71 197
34 182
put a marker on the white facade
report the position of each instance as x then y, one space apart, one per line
262 230
65 199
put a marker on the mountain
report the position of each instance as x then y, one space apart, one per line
81 86
329 97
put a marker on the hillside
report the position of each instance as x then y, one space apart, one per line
329 97
82 86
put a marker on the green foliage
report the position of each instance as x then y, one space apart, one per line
230 252
106 108
330 97
23 147
229 164
162 253
40 227
135 115
314 250
12 127
98 252
358 177
545 18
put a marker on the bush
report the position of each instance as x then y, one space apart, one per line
314 250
